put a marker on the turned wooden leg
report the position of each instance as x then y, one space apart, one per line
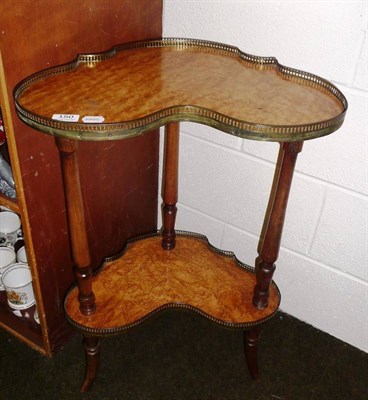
278 203
77 227
170 185
251 338
92 352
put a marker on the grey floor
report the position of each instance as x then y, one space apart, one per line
182 356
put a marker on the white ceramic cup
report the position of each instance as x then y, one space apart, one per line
7 259
36 316
10 231
18 285
22 255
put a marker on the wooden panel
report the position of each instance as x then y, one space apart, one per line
193 275
51 33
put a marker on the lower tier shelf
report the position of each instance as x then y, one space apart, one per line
145 279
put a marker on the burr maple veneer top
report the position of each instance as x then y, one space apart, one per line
136 87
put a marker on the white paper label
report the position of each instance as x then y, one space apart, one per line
66 117
93 119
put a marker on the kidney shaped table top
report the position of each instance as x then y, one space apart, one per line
135 87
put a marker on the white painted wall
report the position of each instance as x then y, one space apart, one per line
224 181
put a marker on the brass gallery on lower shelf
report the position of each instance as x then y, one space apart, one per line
145 279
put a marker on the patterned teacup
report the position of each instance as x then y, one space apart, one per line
18 285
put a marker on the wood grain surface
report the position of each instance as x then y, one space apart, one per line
138 82
147 277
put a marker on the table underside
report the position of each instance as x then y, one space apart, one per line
146 279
